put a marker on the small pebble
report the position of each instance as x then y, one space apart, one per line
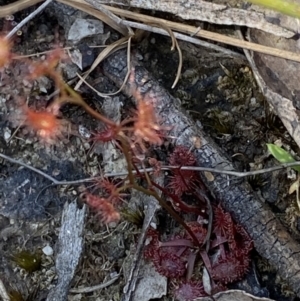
48 251
113 275
112 225
253 101
7 134
153 225
84 132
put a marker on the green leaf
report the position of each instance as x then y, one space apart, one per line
281 155
288 7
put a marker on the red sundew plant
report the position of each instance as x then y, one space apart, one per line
182 156
143 128
227 259
112 190
223 222
182 181
135 136
188 290
109 134
46 125
146 127
103 208
47 67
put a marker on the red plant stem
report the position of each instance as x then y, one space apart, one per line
183 178
206 261
170 210
126 151
147 177
190 265
128 158
98 116
75 98
218 241
177 243
177 200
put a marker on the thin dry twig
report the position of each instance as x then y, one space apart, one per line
223 13
14 161
109 175
186 38
201 33
17 6
125 79
128 69
174 44
106 12
82 5
38 54
103 17
90 289
108 50
195 31
163 168
14 133
28 18
199 10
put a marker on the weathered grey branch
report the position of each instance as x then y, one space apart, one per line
271 239
193 9
206 11
70 245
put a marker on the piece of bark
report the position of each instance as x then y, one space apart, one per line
135 282
206 11
277 79
70 245
271 239
286 103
